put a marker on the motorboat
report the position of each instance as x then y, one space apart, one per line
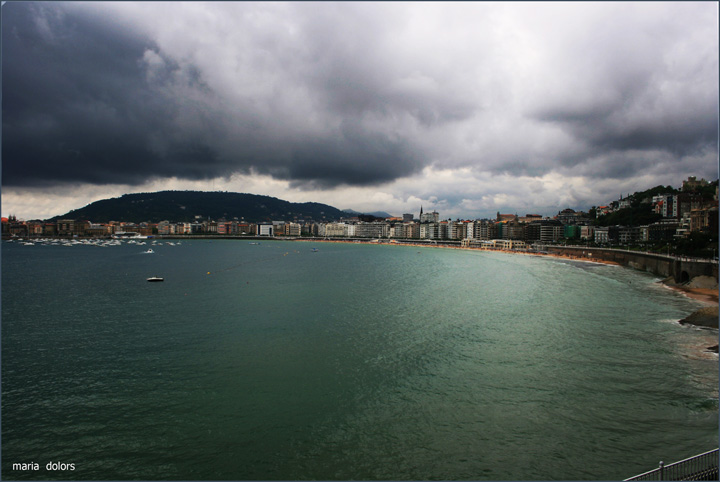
155 279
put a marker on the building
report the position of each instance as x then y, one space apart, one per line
703 219
572 231
372 230
546 231
528 218
569 216
663 230
432 217
514 230
505 217
265 229
693 184
484 229
629 234
587 232
333 230
292 229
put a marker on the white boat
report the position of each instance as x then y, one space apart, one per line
128 235
155 279
149 251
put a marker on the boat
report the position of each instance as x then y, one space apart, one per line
155 279
315 250
128 235
149 251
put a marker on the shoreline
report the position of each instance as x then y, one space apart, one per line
707 296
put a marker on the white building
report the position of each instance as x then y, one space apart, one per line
265 229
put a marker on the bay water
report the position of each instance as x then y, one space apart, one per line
305 361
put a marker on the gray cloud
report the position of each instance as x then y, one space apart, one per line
355 94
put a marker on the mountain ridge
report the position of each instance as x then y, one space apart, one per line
186 206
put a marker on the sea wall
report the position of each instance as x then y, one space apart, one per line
681 269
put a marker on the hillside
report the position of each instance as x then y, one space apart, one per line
184 206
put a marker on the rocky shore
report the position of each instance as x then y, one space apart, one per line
707 317
705 289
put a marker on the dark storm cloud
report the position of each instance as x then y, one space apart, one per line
355 93
366 158
88 101
75 104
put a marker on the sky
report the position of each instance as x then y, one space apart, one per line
467 108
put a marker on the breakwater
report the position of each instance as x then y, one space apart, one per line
680 268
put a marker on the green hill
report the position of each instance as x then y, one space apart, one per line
185 206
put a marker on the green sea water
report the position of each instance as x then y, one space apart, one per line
352 362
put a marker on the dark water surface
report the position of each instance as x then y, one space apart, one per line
353 362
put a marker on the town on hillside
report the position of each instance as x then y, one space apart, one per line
661 219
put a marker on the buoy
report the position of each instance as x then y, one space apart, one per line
208 272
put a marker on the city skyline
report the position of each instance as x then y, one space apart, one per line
464 108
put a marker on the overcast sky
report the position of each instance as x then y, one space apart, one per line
467 108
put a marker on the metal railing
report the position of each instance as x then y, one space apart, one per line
699 467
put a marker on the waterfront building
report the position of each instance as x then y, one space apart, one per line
514 230
469 230
601 235
483 229
442 230
332 229
663 230
292 229
265 229
49 229
397 231
629 234
587 232
571 231
429 231
164 228
546 231
372 230
412 230
551 231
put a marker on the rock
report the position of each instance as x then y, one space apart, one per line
669 281
703 317
703 282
